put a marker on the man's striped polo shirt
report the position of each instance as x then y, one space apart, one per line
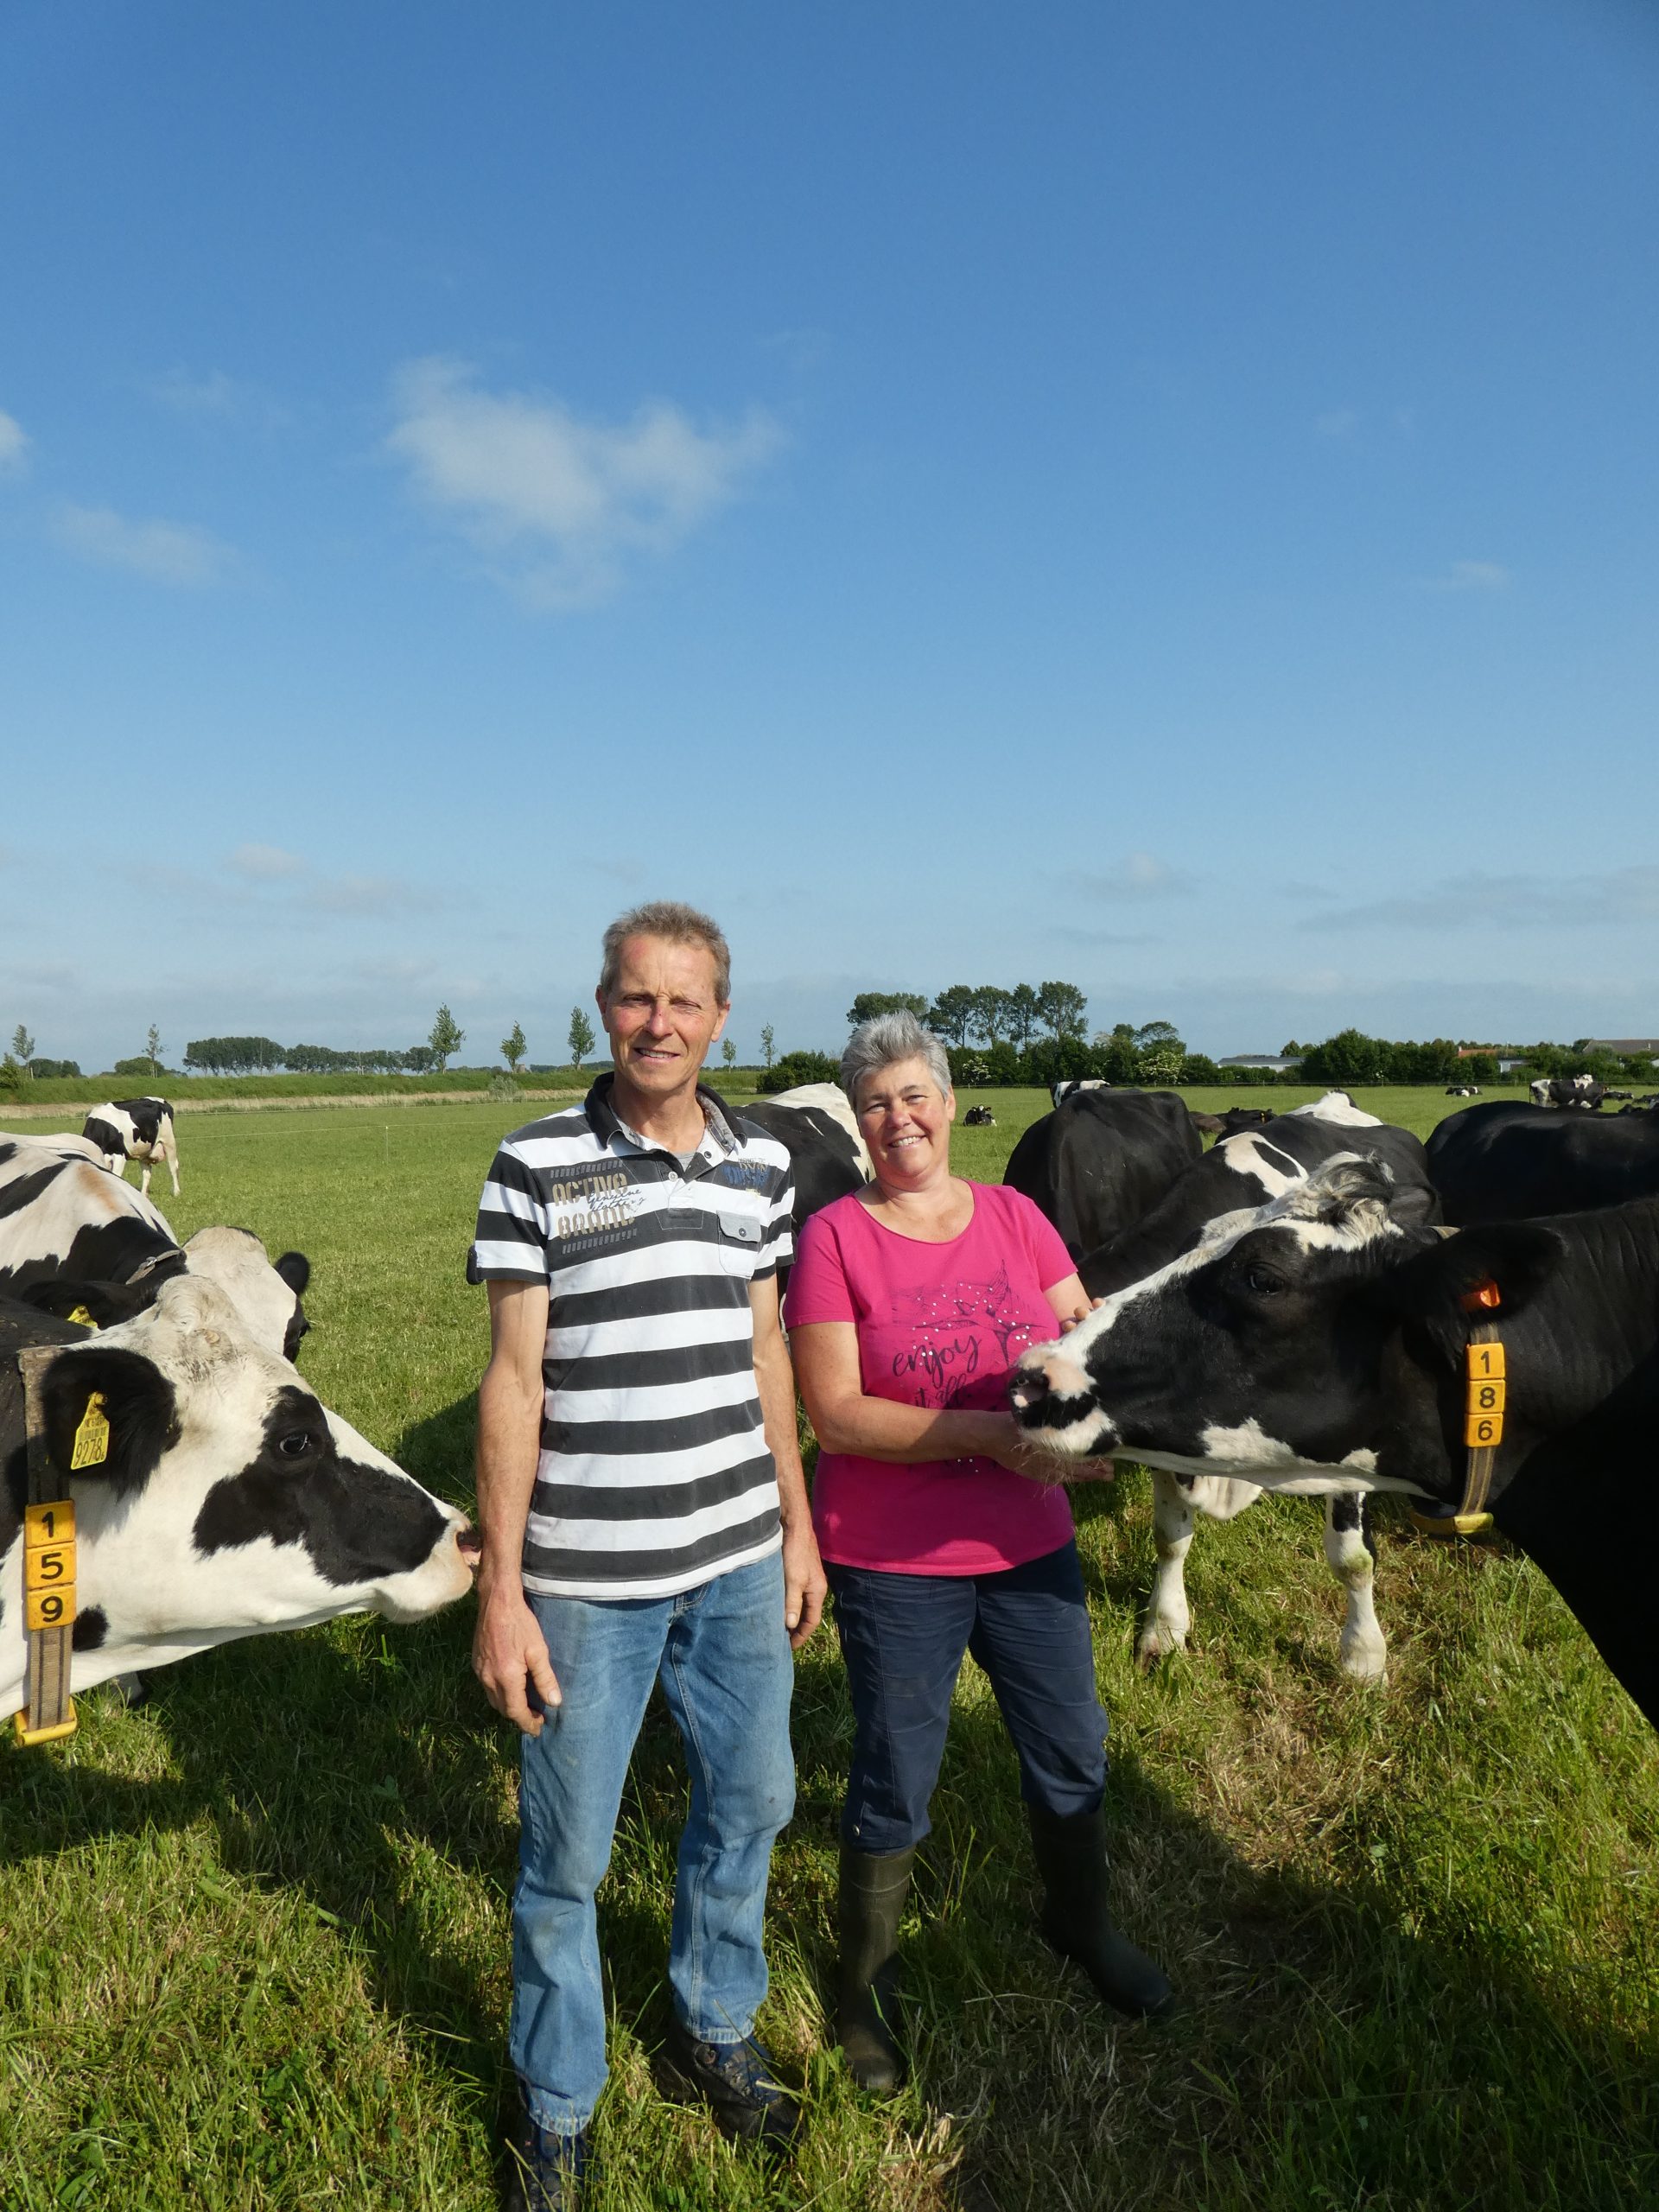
654 1473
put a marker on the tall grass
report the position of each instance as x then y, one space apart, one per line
253 1935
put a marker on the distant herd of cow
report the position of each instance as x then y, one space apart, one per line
1287 1311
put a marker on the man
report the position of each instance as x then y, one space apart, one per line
645 1518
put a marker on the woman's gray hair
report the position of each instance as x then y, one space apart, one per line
884 1039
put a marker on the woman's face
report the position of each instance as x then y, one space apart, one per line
905 1123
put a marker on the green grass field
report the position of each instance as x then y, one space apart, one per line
253 1937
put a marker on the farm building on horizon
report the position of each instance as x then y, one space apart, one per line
1276 1061
1508 1057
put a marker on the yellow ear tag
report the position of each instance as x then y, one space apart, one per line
81 1318
93 1437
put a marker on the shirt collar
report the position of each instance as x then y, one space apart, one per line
719 1140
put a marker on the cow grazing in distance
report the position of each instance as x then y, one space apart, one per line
1507 1161
1574 1091
1241 1172
1320 1340
1060 1092
1096 1164
232 1502
979 1117
72 1235
1463 1091
135 1129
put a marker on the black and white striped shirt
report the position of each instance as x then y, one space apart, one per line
654 1473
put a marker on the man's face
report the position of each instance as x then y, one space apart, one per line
663 1015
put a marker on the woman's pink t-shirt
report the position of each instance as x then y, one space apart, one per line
938 1324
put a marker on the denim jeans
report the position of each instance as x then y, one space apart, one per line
721 1654
903 1637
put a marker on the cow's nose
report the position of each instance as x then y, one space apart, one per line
470 1544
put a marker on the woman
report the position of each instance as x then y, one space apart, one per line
941 1531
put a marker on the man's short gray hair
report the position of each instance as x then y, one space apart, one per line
676 923
884 1040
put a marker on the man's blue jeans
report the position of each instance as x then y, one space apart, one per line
721 1654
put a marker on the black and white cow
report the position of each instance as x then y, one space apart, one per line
1463 1091
828 1098
1319 1341
1099 1162
1060 1092
1578 1091
1239 1174
135 1129
1508 1161
979 1117
231 1503
70 1235
824 1161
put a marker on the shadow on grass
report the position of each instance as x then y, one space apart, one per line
1324 2056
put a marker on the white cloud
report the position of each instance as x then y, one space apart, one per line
1470 575
1136 876
216 398
264 863
14 444
1623 896
165 552
557 504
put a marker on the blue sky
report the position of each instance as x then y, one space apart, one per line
1161 497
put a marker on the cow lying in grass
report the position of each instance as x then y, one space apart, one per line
232 1502
1317 1343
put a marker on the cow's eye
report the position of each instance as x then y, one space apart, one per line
1262 1281
295 1445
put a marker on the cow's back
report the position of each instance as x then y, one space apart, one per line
1506 1161
1101 1161
61 1215
824 1160
1246 1169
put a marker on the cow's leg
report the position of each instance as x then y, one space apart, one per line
144 1166
117 1164
171 1156
1348 1547
1167 1619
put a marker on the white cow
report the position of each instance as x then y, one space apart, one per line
135 1129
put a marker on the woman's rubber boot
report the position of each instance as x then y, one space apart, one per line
1071 1859
873 1887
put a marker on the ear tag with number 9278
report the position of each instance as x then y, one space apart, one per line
91 1445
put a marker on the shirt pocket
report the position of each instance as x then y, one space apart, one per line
737 1239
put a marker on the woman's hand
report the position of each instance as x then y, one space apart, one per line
1069 1321
1012 1449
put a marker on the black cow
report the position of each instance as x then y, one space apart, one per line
1097 1163
1240 1173
1320 1340
230 1502
1572 1091
70 1235
1508 1161
979 1117
135 1129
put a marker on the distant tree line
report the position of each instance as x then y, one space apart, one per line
984 1014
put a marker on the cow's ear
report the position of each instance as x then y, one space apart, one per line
1518 1256
105 1302
138 1405
294 1270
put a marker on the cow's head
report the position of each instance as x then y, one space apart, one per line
1310 1340
230 1502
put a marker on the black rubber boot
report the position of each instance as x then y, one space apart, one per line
873 1887
1071 1859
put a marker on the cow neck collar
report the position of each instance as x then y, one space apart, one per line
1471 1517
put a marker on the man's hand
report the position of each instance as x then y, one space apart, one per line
805 1587
509 1656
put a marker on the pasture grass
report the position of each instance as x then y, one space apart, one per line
253 1936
